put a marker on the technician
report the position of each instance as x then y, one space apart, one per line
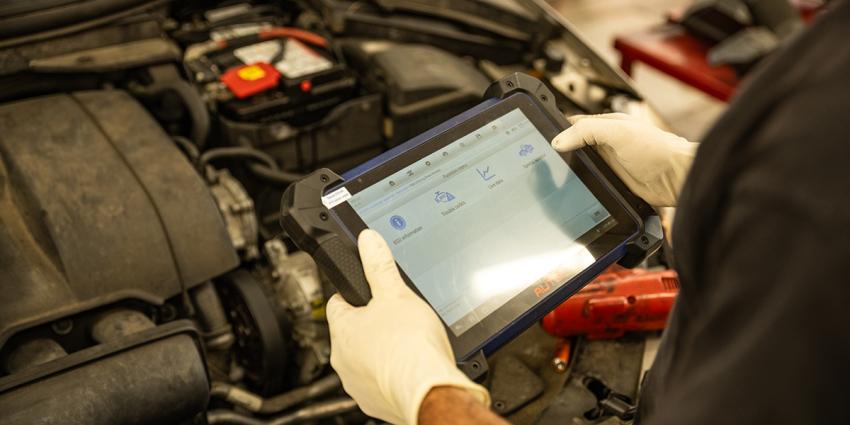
761 329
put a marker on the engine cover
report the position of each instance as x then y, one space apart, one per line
97 205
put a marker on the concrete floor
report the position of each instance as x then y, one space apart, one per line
688 111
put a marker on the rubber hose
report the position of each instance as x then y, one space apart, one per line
275 175
196 107
316 411
237 152
189 148
191 100
255 403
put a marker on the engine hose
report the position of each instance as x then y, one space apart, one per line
313 412
271 175
236 152
188 148
166 79
195 106
257 404
265 168
275 176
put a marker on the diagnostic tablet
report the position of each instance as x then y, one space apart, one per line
487 222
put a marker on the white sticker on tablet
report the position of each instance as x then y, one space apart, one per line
336 197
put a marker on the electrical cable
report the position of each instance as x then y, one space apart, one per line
263 34
296 33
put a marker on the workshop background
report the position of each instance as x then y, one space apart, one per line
174 128
688 111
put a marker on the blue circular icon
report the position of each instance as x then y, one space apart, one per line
398 222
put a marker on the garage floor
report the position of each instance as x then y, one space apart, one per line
688 111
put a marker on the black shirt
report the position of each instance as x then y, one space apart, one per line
761 330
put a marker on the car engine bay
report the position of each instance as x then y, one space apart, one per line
144 148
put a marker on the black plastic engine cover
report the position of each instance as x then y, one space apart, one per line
97 205
424 85
156 376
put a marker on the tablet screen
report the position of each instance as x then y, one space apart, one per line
484 219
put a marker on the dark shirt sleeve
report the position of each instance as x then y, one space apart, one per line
768 338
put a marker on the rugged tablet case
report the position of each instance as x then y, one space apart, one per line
310 226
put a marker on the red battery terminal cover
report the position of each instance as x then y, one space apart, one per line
248 80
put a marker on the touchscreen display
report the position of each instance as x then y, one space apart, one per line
493 215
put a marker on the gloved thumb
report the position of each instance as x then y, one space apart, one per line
378 264
336 308
573 138
586 129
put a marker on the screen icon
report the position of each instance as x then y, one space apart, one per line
598 215
485 173
526 150
398 222
443 197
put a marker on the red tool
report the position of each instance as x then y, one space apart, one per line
616 302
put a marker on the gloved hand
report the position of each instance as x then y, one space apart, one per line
652 162
392 351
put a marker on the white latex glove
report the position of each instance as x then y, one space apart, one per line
392 351
652 162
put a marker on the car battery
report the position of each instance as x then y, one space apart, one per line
283 90
276 73
346 136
